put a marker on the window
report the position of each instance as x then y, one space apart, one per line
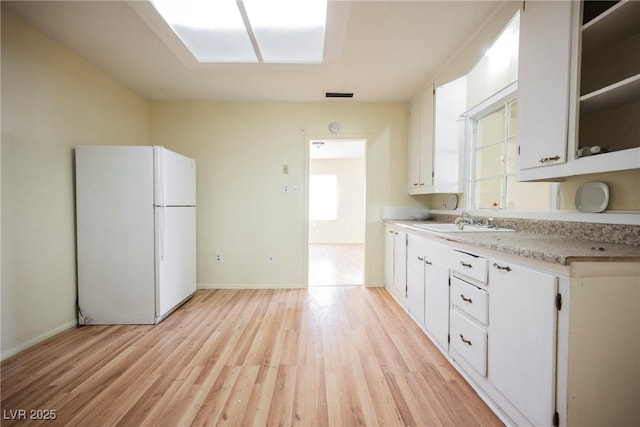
493 154
323 197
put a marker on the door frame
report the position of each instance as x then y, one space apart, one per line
307 160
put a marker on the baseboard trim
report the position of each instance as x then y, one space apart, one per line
266 286
249 286
37 340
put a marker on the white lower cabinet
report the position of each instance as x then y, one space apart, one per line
470 341
395 263
544 344
415 284
428 286
470 299
436 317
522 342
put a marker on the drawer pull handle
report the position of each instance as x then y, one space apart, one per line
420 258
469 300
465 341
465 265
500 267
428 262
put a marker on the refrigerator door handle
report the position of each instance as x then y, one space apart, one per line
161 231
160 178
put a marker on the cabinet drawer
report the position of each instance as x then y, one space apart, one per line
469 265
470 341
470 299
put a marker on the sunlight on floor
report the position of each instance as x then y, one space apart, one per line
336 265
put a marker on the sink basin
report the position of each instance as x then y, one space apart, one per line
453 228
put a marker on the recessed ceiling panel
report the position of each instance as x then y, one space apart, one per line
288 31
213 30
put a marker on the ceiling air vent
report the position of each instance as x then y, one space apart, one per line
339 95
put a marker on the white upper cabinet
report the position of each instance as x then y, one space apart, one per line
543 83
420 152
578 88
451 103
436 139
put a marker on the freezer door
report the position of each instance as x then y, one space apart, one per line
175 179
176 257
115 234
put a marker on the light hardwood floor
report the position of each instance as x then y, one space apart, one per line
328 356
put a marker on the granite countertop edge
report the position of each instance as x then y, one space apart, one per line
548 248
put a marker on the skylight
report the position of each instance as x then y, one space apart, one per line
269 31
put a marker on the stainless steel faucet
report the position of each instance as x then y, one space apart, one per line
465 219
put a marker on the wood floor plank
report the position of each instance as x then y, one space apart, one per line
292 357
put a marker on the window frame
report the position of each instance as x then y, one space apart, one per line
336 198
492 104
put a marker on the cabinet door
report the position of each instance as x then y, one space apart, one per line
544 82
413 158
420 145
415 285
389 259
426 138
450 103
400 266
437 301
522 338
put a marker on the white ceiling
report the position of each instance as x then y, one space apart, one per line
382 51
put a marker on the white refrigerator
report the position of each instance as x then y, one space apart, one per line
136 233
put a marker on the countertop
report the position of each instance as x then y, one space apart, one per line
549 248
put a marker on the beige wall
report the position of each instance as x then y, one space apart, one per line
51 101
242 212
349 225
490 75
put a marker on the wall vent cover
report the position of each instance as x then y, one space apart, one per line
339 94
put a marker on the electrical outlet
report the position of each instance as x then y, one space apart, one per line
297 188
270 259
218 258
285 188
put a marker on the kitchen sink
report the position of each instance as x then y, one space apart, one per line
453 228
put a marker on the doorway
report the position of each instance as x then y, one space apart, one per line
336 212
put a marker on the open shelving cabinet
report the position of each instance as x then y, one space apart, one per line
609 83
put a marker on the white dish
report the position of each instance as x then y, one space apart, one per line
452 202
592 197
